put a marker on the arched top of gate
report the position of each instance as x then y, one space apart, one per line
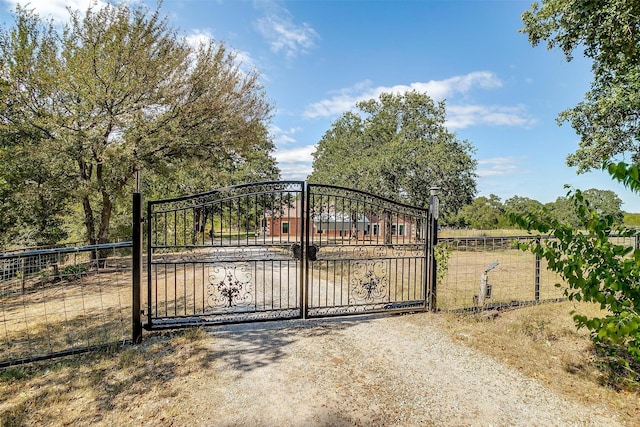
230 192
334 191
294 188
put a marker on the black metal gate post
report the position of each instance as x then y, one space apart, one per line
432 241
304 245
137 267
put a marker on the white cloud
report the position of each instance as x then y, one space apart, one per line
199 38
57 9
243 59
295 163
462 116
284 35
283 136
459 115
436 89
296 155
500 166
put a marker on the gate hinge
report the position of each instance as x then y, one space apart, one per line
312 252
297 251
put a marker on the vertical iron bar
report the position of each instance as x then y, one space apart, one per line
149 257
432 242
426 286
434 265
305 222
23 275
137 267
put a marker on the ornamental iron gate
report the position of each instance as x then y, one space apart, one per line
365 253
283 250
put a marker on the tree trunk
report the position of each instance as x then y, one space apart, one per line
198 227
103 234
89 221
354 226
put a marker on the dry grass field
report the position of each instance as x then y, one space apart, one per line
513 279
45 314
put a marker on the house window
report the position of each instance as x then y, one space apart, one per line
376 229
285 228
401 230
394 228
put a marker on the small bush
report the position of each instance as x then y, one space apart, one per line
620 371
73 272
596 270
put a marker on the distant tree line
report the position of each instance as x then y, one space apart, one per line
486 213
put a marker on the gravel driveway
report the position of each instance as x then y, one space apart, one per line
389 370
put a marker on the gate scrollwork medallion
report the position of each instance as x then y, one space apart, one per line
229 286
370 282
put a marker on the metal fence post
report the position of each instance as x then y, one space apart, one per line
537 279
433 241
137 267
22 275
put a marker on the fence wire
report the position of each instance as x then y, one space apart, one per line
515 277
61 301
65 300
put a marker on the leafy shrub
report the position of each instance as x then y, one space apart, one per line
596 270
442 253
73 272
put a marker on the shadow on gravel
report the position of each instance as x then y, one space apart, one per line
246 347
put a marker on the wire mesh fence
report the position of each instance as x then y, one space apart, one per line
485 272
63 300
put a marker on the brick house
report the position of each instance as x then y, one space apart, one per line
332 224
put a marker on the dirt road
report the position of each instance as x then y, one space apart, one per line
391 371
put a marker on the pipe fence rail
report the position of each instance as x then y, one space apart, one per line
60 301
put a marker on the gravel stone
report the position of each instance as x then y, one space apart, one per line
365 371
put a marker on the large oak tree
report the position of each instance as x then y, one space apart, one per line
116 91
398 147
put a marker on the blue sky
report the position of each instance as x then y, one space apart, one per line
318 58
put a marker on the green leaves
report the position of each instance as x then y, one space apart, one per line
483 213
115 91
607 32
398 147
594 267
628 175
